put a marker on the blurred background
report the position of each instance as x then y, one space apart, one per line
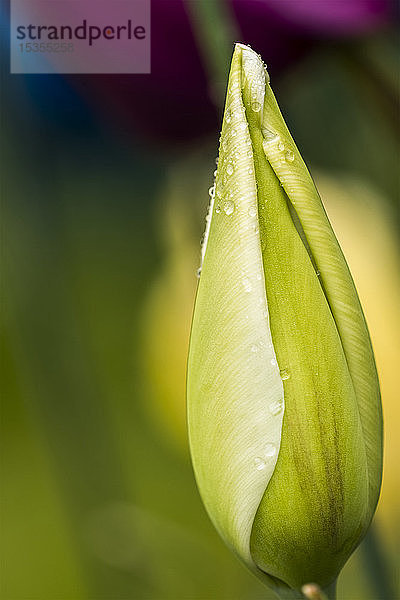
104 194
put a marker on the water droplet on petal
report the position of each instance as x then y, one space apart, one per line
228 116
234 133
276 407
229 168
281 146
229 207
211 191
256 106
249 170
246 284
269 136
198 273
284 373
252 211
259 463
218 209
270 450
289 156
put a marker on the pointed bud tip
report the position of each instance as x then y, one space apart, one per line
255 77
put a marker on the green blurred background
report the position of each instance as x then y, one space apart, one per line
104 196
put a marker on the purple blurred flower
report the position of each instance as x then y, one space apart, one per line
174 101
331 17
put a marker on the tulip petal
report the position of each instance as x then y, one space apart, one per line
323 455
337 283
235 392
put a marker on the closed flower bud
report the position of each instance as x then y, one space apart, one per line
284 406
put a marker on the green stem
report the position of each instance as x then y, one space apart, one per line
310 591
215 29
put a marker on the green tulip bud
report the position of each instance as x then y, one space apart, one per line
284 408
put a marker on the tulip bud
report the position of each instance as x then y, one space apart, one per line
284 408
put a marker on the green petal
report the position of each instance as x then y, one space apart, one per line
235 393
336 282
321 488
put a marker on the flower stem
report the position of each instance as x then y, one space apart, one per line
310 591
215 29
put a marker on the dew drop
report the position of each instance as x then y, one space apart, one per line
270 450
281 146
218 209
249 170
198 273
269 136
228 117
276 407
252 211
289 156
256 106
259 463
284 373
229 168
234 133
229 207
211 191
246 284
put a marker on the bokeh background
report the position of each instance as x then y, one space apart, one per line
104 196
